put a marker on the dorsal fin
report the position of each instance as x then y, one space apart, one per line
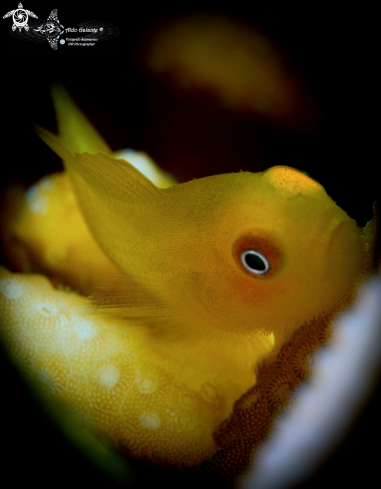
113 196
75 131
117 177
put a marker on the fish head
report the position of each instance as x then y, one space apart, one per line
266 251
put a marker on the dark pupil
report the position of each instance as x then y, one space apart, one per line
255 262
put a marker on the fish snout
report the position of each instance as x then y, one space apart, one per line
342 252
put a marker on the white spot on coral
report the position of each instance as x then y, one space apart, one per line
36 202
45 381
46 309
108 376
150 421
11 289
168 411
44 378
145 384
85 329
66 288
46 182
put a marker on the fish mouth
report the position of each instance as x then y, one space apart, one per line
341 252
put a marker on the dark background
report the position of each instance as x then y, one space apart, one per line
335 50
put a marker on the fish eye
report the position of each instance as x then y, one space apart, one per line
255 262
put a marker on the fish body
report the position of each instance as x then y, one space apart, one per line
205 280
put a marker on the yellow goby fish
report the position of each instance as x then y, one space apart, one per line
199 282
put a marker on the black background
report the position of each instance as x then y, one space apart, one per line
335 50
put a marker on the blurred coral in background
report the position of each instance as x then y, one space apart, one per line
218 88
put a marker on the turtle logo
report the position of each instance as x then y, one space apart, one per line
52 29
20 18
